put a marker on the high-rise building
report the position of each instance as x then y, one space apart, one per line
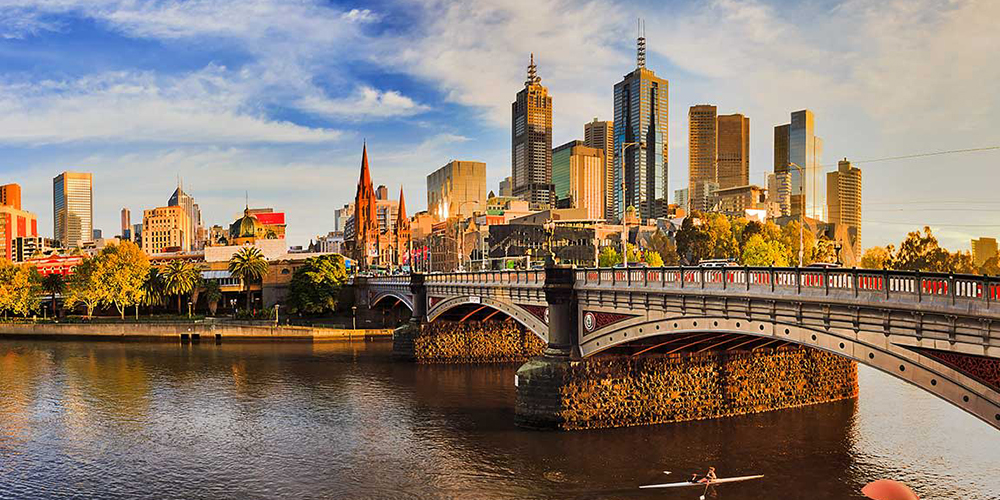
340 217
719 153
459 188
126 224
733 145
15 223
166 229
73 208
531 141
843 193
184 200
682 197
10 195
506 190
796 144
983 249
601 135
578 178
641 118
381 192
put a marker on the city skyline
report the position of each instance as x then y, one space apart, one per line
295 152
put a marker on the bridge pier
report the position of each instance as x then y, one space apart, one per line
402 337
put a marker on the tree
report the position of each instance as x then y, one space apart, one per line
758 251
706 236
877 258
666 249
151 293
26 290
123 273
633 253
316 285
990 268
653 258
213 294
84 285
608 257
53 285
249 265
179 279
7 272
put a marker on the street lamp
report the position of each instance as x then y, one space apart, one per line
625 145
276 306
461 239
802 208
354 314
189 309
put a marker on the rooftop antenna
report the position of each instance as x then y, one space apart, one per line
532 72
640 26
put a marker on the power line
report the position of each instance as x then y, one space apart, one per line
922 224
924 155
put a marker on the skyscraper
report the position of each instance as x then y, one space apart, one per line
843 192
601 135
14 222
10 196
531 143
73 208
796 143
641 117
733 151
126 230
578 177
703 132
983 249
184 200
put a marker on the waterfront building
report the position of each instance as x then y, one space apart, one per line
271 224
370 242
796 143
10 195
601 135
166 229
531 141
641 105
843 194
61 264
983 249
15 223
73 208
578 178
458 188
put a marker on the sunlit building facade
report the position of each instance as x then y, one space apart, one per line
73 208
601 135
531 141
458 188
843 193
578 178
796 143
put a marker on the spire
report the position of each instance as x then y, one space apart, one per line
366 176
641 43
402 205
532 73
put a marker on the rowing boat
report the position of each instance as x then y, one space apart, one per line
716 481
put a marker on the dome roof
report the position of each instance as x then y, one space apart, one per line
245 227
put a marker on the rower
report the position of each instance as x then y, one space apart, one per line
710 476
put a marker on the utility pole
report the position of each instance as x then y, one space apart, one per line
625 145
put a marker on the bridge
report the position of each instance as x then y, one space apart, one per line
935 331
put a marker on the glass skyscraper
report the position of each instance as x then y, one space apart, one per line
641 117
73 208
796 143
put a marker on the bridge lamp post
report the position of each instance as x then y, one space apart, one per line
802 209
461 240
625 145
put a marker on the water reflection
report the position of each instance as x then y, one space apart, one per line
340 420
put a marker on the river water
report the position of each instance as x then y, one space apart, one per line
340 420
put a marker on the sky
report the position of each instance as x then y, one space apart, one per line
271 100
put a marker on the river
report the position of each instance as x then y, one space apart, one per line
341 420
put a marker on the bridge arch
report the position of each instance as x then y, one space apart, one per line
523 317
400 298
870 349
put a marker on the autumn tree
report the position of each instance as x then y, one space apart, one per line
608 257
878 258
84 285
123 272
758 251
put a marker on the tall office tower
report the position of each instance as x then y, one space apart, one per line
73 208
702 153
843 193
186 202
733 151
641 118
10 196
578 177
505 187
601 135
126 230
458 188
796 143
165 229
983 249
531 144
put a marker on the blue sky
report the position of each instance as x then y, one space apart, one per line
274 97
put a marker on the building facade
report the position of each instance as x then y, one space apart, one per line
126 229
73 208
983 249
735 201
531 141
10 195
458 188
506 188
733 143
641 106
843 193
166 229
796 143
702 153
578 178
14 222
601 135
179 198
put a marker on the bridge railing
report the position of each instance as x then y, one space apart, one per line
882 285
532 277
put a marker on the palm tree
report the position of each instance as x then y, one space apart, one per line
151 293
213 293
180 278
249 265
53 284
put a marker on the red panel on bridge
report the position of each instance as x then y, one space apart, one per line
593 320
433 300
536 311
981 368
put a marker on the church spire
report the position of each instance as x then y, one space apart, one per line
402 206
366 176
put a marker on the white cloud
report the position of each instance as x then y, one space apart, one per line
366 102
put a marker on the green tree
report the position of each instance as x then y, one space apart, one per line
26 290
653 258
706 236
667 250
213 294
608 257
249 265
179 279
758 251
633 253
877 258
123 273
316 285
990 268
152 291
84 285
53 284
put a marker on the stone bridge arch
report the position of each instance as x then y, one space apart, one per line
524 317
917 367
381 297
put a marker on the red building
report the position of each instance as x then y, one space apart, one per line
56 264
14 222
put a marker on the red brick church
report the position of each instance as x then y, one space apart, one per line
372 242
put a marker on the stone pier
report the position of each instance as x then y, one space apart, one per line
466 342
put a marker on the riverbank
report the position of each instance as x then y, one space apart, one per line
180 330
